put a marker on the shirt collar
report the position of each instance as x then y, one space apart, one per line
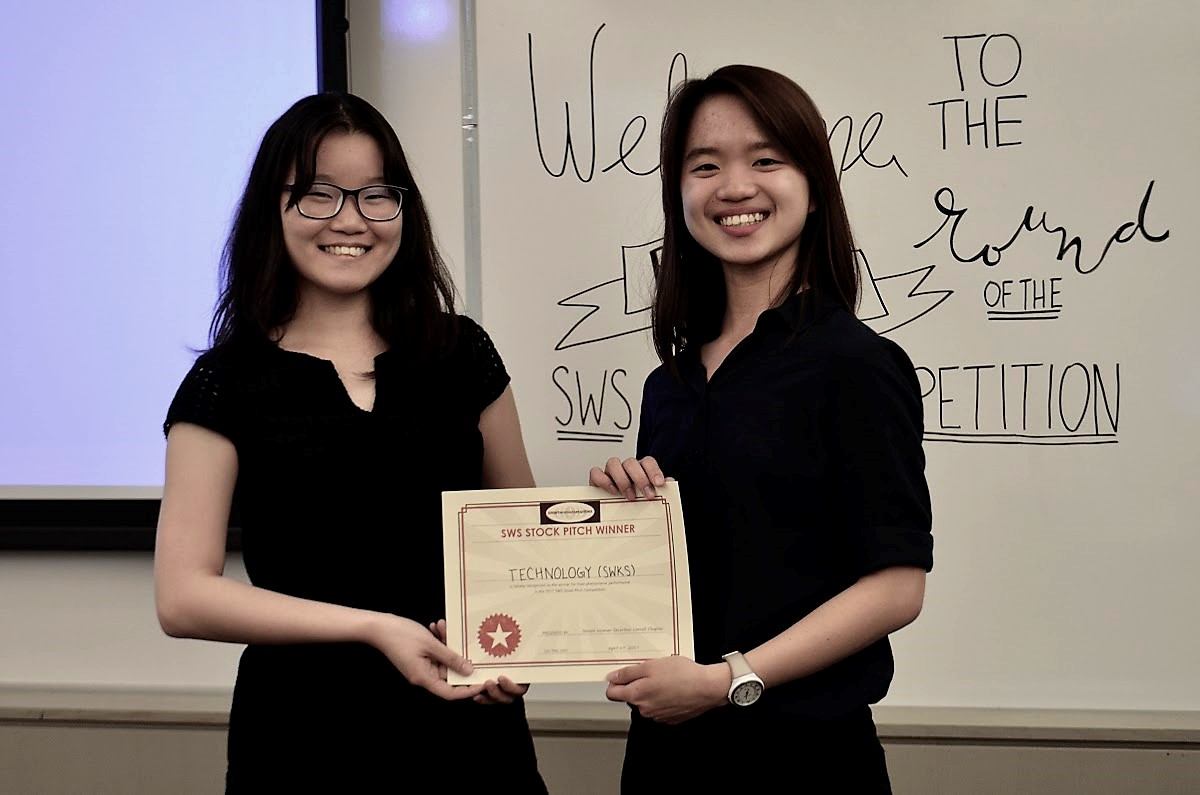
794 315
798 311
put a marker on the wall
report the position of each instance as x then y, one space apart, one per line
1020 178
87 619
1061 571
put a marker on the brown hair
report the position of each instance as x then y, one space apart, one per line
412 302
689 301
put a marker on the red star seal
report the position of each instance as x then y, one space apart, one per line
499 635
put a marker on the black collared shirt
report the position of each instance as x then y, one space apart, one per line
801 470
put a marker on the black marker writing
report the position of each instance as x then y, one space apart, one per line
866 137
1023 299
1081 401
991 254
622 151
993 72
997 120
587 407
625 147
983 70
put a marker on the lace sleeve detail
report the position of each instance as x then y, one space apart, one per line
490 376
207 397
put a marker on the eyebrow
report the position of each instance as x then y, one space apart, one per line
376 180
707 151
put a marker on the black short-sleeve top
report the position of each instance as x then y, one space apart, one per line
336 503
801 470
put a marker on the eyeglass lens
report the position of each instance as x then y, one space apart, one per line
375 202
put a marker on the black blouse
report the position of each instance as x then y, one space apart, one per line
343 505
801 470
322 484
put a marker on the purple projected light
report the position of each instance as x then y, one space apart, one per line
127 141
417 20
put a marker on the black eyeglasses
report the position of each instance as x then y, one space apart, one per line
323 201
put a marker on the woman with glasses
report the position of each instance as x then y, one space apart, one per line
340 397
795 434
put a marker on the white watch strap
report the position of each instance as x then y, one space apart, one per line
737 664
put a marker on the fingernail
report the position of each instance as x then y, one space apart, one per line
649 491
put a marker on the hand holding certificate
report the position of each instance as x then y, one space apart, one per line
564 584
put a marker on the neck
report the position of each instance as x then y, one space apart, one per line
325 322
749 292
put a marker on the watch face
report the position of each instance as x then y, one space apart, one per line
746 693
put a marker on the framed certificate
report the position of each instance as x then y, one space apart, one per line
564 584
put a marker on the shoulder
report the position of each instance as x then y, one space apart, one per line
475 357
862 366
241 364
468 331
211 392
661 382
658 377
220 364
471 341
849 344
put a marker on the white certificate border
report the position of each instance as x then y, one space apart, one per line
501 663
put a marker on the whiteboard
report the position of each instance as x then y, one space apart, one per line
1061 405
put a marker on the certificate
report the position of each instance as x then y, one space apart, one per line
564 584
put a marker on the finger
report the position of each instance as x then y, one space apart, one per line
654 471
623 676
597 477
637 475
439 629
492 689
442 655
620 478
453 692
512 688
617 693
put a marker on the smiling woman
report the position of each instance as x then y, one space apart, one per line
744 199
795 435
335 304
336 249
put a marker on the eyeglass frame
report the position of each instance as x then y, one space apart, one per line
342 194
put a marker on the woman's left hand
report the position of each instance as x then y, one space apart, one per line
495 691
670 689
501 691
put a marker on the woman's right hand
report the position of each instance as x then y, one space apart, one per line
421 658
630 478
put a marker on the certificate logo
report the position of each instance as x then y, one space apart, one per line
499 635
571 512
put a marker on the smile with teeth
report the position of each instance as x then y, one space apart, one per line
345 251
745 219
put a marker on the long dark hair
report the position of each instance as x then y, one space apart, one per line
412 302
689 300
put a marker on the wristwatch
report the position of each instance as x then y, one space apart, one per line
746 687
